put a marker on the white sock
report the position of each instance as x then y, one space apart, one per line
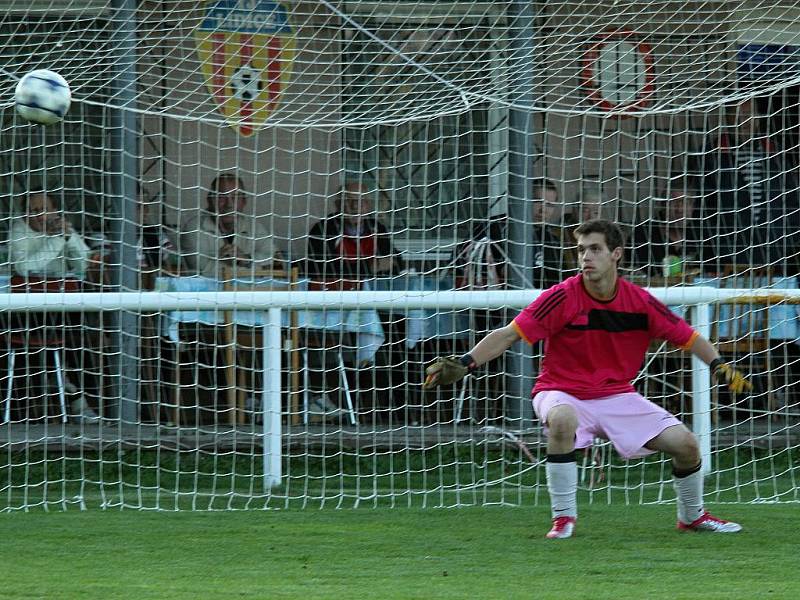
689 490
562 483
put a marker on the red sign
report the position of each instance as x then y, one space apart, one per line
617 72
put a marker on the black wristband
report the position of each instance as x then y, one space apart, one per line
714 364
468 362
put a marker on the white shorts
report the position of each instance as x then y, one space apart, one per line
628 420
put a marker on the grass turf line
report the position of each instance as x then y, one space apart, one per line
490 552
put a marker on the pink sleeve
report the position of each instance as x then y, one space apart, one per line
666 325
543 317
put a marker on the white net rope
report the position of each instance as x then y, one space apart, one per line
379 146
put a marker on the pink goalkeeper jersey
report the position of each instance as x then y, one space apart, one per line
594 349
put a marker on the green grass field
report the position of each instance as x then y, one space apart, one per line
492 552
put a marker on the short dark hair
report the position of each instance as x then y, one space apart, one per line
612 232
229 177
216 186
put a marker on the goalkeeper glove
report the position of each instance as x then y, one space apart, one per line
726 374
448 370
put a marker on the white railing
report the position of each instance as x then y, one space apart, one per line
699 299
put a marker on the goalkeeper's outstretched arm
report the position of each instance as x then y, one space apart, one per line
494 344
448 370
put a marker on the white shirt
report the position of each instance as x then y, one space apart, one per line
201 242
34 252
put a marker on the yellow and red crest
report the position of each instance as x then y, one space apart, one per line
246 48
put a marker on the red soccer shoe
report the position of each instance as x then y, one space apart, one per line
562 528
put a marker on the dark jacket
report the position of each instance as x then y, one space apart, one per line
552 262
325 259
741 231
649 245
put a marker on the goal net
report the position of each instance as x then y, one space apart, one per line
411 148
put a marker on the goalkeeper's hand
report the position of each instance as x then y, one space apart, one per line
447 370
726 374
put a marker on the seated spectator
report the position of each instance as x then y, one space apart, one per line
44 246
750 191
549 236
590 206
671 243
44 243
351 243
222 234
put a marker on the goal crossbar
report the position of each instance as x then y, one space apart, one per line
475 299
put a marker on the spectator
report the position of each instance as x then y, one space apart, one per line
351 243
670 242
481 261
44 246
44 243
750 193
222 234
488 265
550 259
587 206
591 205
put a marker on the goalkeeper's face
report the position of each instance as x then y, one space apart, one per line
597 262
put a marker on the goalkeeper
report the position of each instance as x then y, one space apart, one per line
597 327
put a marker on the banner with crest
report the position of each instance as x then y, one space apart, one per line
246 48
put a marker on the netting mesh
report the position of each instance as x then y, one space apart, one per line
379 146
334 63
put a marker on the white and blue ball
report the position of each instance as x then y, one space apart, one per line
42 96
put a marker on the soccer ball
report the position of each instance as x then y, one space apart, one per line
42 96
246 84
